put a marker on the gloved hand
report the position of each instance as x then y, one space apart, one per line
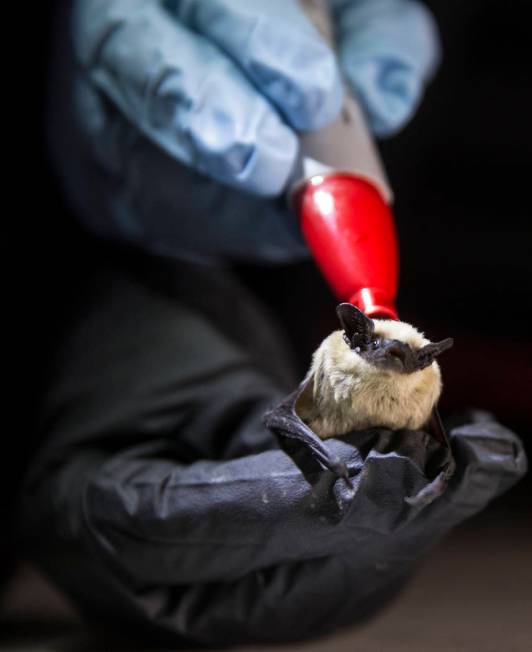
159 497
223 88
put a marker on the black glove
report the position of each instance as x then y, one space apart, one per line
160 498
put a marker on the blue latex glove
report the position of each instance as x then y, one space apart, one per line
220 85
388 50
165 90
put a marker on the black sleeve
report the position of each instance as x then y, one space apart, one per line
159 497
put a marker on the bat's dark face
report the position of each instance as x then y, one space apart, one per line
391 354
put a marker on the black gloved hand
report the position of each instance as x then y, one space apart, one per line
159 496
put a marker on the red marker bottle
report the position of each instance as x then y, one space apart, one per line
348 224
344 201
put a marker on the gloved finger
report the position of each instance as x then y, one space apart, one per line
182 92
279 50
490 459
127 190
388 51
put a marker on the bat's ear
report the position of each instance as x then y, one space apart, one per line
357 327
426 355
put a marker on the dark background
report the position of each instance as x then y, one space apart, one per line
461 173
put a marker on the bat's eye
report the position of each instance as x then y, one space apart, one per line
375 343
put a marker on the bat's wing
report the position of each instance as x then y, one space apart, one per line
445 468
438 462
284 420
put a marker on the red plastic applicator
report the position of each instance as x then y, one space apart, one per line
344 205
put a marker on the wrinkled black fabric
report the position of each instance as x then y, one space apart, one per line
433 444
159 497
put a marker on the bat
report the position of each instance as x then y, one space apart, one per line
372 373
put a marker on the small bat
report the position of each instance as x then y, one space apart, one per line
373 373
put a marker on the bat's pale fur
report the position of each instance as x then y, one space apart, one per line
345 392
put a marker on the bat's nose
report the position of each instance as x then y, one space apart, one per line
398 355
397 350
